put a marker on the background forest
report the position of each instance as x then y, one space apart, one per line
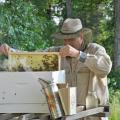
28 25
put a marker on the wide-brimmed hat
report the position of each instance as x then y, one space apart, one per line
70 29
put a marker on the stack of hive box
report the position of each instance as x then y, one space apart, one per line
20 90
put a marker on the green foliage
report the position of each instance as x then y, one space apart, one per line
97 15
42 6
115 106
105 30
114 79
114 90
22 28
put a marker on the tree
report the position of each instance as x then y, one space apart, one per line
117 34
23 27
69 8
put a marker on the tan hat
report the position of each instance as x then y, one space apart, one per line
70 29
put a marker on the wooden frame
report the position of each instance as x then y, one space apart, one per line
34 61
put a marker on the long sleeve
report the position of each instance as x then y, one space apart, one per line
99 62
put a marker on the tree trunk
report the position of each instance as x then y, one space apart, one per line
69 8
117 34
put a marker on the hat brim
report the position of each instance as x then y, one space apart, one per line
62 36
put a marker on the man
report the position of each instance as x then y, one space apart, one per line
86 64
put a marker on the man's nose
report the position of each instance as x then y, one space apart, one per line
66 42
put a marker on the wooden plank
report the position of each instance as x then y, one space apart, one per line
8 116
85 113
105 114
24 108
24 116
34 53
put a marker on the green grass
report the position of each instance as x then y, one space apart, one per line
115 107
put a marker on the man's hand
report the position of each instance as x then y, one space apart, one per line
4 49
69 51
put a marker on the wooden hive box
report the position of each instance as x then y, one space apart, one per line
21 92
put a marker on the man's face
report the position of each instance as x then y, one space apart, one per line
74 42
